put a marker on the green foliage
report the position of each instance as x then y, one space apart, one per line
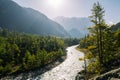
89 55
103 43
71 41
19 51
94 67
110 49
92 49
117 36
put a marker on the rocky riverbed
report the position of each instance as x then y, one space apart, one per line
67 70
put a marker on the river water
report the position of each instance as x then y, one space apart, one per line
67 70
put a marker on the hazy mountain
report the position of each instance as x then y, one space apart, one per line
15 17
116 27
75 24
75 33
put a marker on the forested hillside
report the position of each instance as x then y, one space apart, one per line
19 51
116 27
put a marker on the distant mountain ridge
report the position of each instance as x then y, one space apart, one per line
15 17
116 26
76 26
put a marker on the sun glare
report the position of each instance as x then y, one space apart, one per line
55 3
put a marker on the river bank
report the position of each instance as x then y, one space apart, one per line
111 75
33 73
112 72
65 69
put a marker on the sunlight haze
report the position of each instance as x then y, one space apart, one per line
73 8
56 3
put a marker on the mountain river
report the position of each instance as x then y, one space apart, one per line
67 70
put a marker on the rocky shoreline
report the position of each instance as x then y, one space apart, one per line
33 73
111 75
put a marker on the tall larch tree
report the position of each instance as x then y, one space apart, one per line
98 20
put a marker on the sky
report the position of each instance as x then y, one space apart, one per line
73 8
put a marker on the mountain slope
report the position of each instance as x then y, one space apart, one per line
116 26
80 24
15 17
75 33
